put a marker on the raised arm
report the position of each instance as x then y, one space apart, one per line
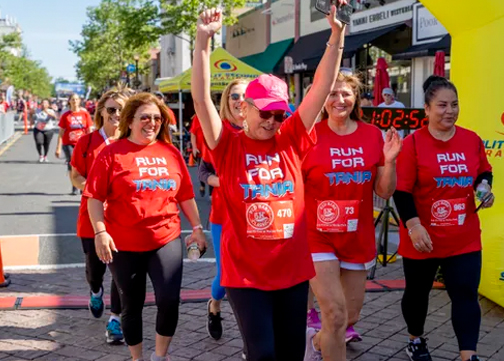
209 23
326 73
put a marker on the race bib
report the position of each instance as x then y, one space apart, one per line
74 135
449 212
40 125
336 216
270 220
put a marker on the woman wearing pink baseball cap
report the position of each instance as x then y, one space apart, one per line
266 262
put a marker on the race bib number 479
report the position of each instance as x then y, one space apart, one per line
270 220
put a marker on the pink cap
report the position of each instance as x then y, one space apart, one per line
268 93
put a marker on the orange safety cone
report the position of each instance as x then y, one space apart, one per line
192 163
4 281
25 116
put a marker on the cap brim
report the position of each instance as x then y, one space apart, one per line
269 104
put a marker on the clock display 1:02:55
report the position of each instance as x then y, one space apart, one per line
399 118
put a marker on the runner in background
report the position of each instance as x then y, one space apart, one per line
349 162
266 262
197 143
44 122
173 117
143 179
88 147
4 106
438 171
73 124
232 117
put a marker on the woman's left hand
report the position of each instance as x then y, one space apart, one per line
392 146
488 201
336 25
198 237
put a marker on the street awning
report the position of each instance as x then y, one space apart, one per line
417 51
270 58
308 50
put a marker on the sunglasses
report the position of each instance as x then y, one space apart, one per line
147 118
266 114
236 96
112 110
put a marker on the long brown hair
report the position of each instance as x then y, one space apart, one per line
113 94
225 111
130 109
354 82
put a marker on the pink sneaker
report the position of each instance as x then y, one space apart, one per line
314 320
311 354
352 335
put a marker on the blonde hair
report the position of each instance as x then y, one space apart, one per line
354 82
114 94
225 111
131 107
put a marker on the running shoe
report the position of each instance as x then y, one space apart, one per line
244 357
311 354
41 159
74 191
157 358
96 305
351 335
474 358
214 323
313 320
114 333
418 351
46 160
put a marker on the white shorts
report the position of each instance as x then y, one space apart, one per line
320 257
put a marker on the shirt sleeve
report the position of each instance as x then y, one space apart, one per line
185 191
407 166
195 125
63 122
299 137
78 161
97 182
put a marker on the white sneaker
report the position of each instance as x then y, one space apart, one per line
311 354
46 160
41 159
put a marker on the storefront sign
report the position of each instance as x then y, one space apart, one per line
248 35
282 20
394 13
426 28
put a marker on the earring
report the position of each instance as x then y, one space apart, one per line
245 126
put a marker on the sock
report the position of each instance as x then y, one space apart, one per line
99 294
416 341
114 317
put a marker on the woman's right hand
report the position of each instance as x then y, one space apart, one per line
210 22
57 153
336 25
420 239
104 245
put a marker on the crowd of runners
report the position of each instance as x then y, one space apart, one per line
292 207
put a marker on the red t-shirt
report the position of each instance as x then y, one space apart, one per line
339 174
75 124
263 241
173 118
4 106
142 186
200 139
86 150
441 177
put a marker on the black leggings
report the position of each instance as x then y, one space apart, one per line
95 270
68 150
462 275
272 323
42 140
164 267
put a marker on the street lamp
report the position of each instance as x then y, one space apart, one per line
137 58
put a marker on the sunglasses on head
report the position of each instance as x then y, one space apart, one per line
236 96
266 114
147 118
112 110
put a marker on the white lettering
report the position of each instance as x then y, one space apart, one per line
453 168
342 152
153 171
348 163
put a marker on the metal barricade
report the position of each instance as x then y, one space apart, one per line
6 126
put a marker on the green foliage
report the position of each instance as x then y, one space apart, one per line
22 72
180 16
116 31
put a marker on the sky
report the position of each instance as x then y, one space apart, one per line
47 26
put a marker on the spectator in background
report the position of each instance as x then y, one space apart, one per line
173 118
4 106
366 100
390 102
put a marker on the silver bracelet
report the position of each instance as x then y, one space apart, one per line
412 228
329 45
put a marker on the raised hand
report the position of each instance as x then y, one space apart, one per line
336 25
392 146
210 22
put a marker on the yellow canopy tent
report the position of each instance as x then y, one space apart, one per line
224 68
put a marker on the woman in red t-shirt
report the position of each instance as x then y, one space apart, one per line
438 171
86 150
266 262
73 124
348 164
232 117
143 179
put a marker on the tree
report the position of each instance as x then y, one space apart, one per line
180 16
116 31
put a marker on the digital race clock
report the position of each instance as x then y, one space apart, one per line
399 118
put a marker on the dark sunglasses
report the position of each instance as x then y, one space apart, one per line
266 114
236 96
147 118
112 110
